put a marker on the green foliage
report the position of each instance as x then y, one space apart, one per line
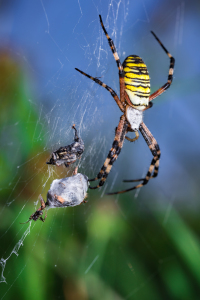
18 119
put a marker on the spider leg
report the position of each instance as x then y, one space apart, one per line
154 166
128 138
113 153
119 65
170 75
149 106
114 95
134 139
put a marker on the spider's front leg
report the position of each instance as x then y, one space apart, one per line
117 59
113 153
170 74
154 166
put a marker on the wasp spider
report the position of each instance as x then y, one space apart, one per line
134 98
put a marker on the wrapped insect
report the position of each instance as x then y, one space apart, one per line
68 154
70 191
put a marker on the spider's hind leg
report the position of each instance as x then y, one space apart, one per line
154 166
152 172
113 153
155 150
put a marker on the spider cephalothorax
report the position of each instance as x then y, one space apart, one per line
134 99
68 154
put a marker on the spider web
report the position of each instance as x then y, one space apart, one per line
42 43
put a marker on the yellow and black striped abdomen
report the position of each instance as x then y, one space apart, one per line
137 81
